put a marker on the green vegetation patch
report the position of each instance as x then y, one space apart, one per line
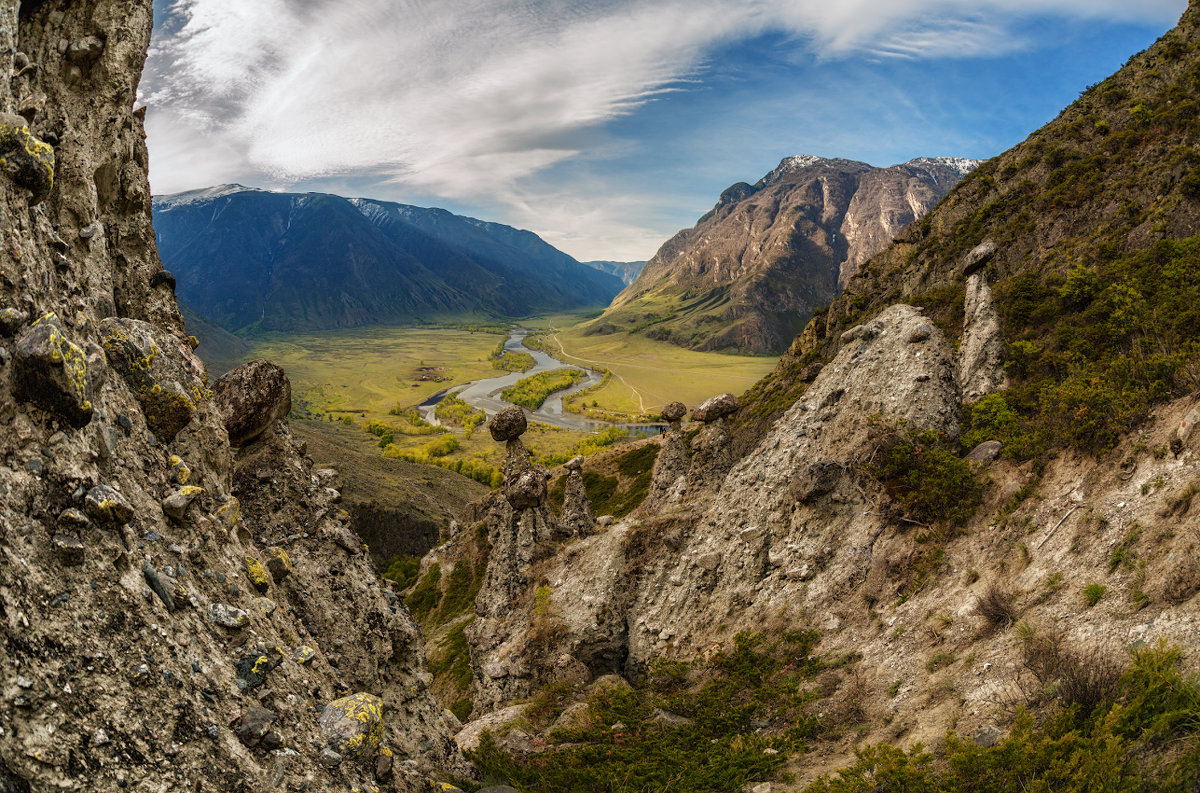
932 484
1098 347
605 493
1143 738
531 392
514 362
456 411
403 570
718 745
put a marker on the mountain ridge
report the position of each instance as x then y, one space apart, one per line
751 271
250 258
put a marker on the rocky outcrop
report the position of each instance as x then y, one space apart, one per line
983 351
576 517
251 398
671 465
519 527
712 452
181 617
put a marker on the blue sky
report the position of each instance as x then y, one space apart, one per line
605 125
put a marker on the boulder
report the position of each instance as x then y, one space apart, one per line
528 489
815 479
509 424
253 725
674 411
165 376
353 725
716 407
11 320
251 398
176 504
574 464
469 736
985 452
979 256
51 372
107 507
28 161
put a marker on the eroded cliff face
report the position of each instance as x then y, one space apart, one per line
800 534
173 614
753 270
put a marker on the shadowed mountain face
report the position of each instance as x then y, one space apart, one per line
751 272
626 271
290 262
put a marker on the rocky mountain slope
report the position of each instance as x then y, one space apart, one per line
626 271
247 258
183 605
752 271
960 515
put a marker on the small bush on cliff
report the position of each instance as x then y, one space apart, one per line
929 481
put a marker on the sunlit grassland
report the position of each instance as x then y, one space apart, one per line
647 374
374 369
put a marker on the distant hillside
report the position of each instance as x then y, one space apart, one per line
219 349
752 271
246 258
626 271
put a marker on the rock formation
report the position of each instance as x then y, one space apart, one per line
519 526
576 517
154 587
671 465
981 358
712 453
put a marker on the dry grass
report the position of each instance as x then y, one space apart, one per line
998 607
1084 676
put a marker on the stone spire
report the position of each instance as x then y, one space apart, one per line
576 517
671 467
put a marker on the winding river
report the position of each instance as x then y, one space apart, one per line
485 394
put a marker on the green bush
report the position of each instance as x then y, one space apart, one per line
1144 740
403 570
927 479
753 682
1093 593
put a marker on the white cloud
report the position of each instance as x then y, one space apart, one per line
465 99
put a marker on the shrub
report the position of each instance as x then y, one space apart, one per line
1093 592
997 606
756 680
403 570
928 480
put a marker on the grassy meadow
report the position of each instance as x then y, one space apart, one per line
372 370
648 374
358 381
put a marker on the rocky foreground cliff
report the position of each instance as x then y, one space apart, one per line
183 604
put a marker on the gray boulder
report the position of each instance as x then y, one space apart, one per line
51 372
716 407
509 424
251 398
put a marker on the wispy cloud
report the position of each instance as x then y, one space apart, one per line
468 99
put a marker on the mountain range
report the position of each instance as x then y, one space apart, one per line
245 259
750 273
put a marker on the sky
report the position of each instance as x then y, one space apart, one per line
605 126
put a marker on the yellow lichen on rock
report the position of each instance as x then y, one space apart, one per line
256 573
353 725
28 161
